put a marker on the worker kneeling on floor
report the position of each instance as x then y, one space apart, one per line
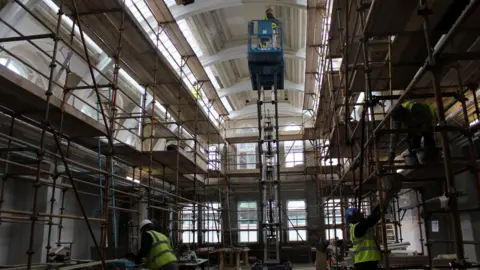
366 254
156 249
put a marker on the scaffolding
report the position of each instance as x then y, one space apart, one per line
379 57
56 132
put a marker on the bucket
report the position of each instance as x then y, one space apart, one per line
410 158
392 182
428 155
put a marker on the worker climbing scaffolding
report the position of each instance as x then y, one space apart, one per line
419 119
196 90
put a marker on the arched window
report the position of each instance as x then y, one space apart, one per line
14 66
246 129
293 153
246 156
23 70
292 127
130 140
89 110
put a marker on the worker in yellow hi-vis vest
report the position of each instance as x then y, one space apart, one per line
420 120
196 90
269 16
155 247
366 252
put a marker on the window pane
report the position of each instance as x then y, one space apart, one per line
247 222
188 223
330 233
248 236
246 156
293 153
297 235
212 222
214 157
297 217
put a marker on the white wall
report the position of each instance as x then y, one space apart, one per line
410 229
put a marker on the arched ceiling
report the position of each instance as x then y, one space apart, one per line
220 29
201 6
240 51
284 109
246 85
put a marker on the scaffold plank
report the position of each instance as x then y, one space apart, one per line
166 158
255 173
25 98
162 14
383 142
249 139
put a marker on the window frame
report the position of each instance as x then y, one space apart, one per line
294 153
211 223
214 157
251 212
294 215
188 231
246 151
331 217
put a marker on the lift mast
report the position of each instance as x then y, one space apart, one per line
266 66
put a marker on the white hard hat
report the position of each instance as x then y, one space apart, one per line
145 222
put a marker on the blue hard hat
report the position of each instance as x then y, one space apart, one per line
398 114
351 213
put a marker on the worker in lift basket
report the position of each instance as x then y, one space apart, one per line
366 254
269 16
420 120
155 247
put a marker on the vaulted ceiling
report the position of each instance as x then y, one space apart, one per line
220 29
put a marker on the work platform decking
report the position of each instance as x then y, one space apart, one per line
23 99
251 139
167 158
405 49
266 62
300 170
407 54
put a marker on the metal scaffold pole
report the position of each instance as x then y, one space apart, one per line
56 175
450 185
367 162
74 146
41 153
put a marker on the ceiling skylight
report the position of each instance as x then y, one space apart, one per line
144 16
321 59
183 25
293 127
170 3
226 104
93 46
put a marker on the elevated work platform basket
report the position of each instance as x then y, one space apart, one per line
265 54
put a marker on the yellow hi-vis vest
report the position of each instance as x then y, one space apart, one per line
274 25
408 105
196 92
365 248
161 252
